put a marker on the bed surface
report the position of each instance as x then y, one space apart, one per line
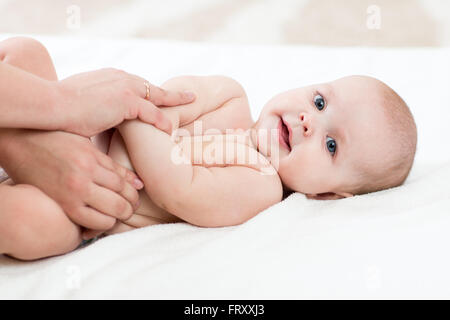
389 244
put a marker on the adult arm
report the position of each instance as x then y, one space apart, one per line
91 188
85 104
87 184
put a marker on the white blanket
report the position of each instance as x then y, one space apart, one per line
389 244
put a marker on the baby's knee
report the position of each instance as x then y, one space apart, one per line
34 226
28 54
20 48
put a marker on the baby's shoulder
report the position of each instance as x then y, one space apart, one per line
235 112
221 102
218 82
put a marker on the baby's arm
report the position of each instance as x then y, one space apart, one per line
212 93
208 197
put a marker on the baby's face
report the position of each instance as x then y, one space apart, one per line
325 130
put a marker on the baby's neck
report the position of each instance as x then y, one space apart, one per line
252 134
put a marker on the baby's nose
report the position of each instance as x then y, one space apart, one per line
305 121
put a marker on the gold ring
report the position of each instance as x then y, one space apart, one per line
147 93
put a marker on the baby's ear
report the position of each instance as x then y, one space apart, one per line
329 195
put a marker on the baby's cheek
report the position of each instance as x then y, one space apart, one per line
305 172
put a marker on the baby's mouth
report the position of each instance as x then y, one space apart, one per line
284 134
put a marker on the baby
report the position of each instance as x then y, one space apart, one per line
332 140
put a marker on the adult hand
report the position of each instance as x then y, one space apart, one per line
98 100
87 184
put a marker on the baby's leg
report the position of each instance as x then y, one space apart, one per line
29 55
32 225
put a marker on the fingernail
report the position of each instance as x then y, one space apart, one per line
189 94
138 184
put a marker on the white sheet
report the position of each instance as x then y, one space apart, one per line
390 244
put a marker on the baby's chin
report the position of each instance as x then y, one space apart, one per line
306 184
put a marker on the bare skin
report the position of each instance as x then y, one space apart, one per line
73 168
223 111
314 133
150 212
316 152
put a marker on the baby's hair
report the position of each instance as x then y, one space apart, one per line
399 152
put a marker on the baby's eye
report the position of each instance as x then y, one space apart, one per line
331 145
319 102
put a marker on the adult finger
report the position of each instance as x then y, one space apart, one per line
110 180
139 108
157 95
149 113
161 97
108 202
123 172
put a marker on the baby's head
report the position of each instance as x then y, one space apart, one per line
354 135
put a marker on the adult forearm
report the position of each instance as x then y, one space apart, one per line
27 101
